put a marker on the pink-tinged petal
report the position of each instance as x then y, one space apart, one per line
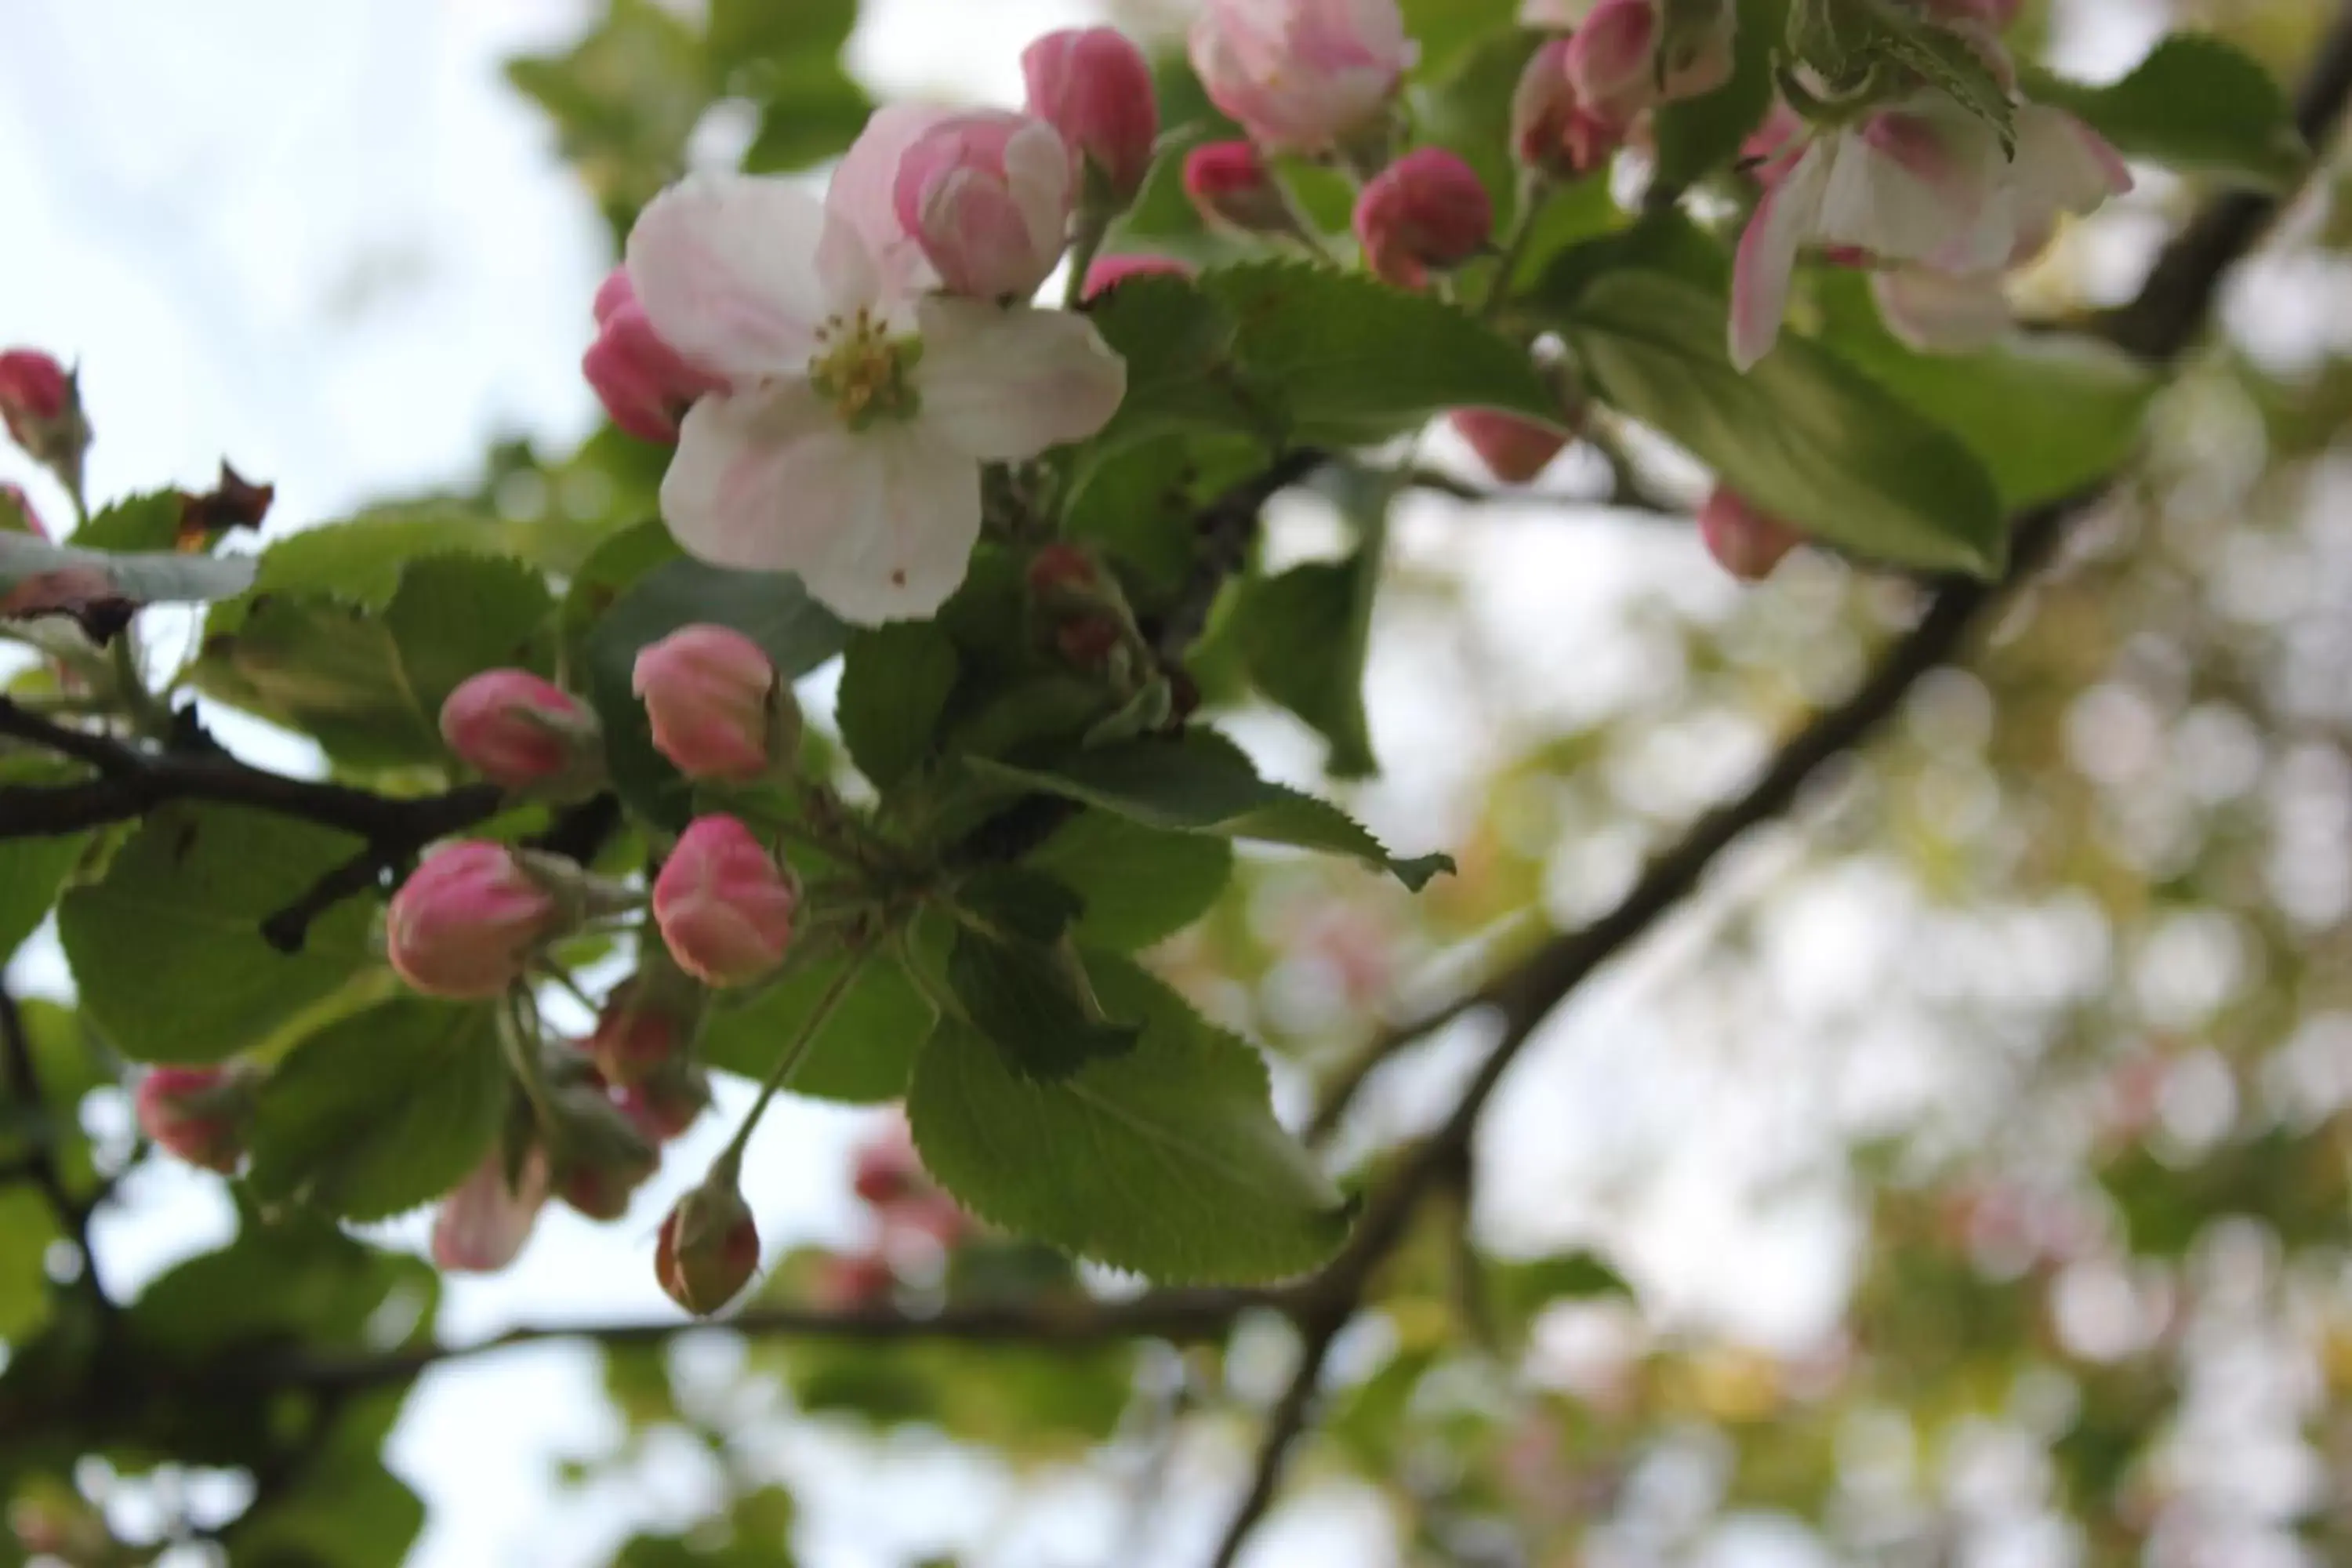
879 523
1919 184
1941 312
1612 60
483 1224
1043 176
1560 14
862 196
2064 165
1768 254
1006 384
725 266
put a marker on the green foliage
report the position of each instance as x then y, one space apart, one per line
2198 103
1698 136
147 521
895 685
1801 435
166 947
1164 1159
1305 635
383 1110
1135 885
1202 783
863 1054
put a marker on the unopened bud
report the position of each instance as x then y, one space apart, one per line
1095 87
718 708
601 1154
1744 542
483 1224
1302 75
710 1245
988 197
1515 451
522 732
468 923
724 904
201 1114
648 1021
1231 187
1427 210
40 403
666 1104
1108 273
845 1281
644 385
17 512
1551 132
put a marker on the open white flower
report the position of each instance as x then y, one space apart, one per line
849 445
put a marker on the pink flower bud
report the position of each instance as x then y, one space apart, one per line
23 503
41 406
668 1102
1301 75
1426 210
1743 540
201 1114
1232 186
847 1282
465 924
484 1222
1095 87
709 1247
1551 132
988 196
519 732
644 383
1613 61
724 905
1515 451
1108 272
889 1171
717 707
649 1021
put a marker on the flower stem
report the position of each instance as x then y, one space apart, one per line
1535 192
789 1063
1092 231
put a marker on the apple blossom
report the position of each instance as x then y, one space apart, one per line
1925 182
201 1114
40 404
724 905
1626 58
1231 187
1095 87
521 731
1108 273
467 921
1744 542
1301 76
988 196
1515 451
718 709
644 385
484 1222
1551 131
849 448
1426 210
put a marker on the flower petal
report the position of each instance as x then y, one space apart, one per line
862 196
1941 312
878 522
725 266
1768 254
1004 383
2063 164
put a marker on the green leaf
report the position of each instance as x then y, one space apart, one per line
1164 1159
1353 360
29 1227
1444 30
1467 108
1034 1002
1305 635
2047 412
2196 103
863 1055
1697 136
363 561
1520 1290
295 1278
33 870
149 521
1802 436
1949 61
772 608
894 684
1183 373
369 683
383 1110
1201 783
1021 900
166 948
754 32
1138 885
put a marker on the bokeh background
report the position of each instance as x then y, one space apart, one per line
1974 1148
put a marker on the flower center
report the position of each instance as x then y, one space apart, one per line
868 374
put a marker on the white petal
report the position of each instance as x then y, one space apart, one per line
863 195
725 266
1768 254
879 523
1941 312
1007 383
1920 184
1038 170
2064 166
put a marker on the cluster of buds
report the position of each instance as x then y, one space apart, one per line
916 1224
202 1115
525 733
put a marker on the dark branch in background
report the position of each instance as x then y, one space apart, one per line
1222 533
40 1164
1284 1425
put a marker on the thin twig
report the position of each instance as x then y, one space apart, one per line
1285 1424
40 1164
